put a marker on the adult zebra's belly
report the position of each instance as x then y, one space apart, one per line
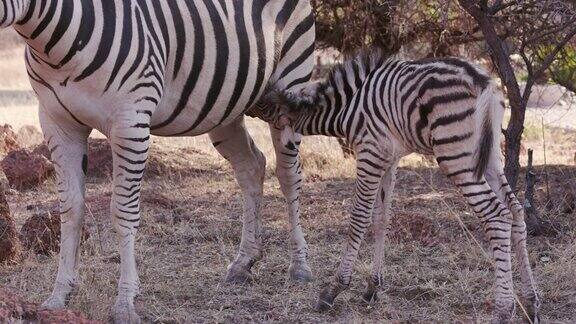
194 118
209 105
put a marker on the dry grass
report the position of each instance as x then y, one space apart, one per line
435 271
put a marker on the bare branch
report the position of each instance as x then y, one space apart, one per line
552 55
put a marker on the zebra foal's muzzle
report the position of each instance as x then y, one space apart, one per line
282 121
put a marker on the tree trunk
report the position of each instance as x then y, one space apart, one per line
513 136
501 59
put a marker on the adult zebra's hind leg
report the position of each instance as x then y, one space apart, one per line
130 142
67 144
529 295
381 225
289 173
235 144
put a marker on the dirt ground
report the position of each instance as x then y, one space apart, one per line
436 268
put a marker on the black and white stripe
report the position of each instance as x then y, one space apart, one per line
136 68
388 108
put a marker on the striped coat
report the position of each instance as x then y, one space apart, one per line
388 108
135 68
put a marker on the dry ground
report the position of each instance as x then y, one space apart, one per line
436 270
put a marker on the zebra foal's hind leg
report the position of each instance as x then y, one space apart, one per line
496 219
68 146
235 144
130 142
529 294
381 225
289 173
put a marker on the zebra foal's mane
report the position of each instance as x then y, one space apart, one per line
354 69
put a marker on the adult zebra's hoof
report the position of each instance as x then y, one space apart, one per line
124 313
238 275
300 272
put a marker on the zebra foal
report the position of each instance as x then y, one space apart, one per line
135 68
388 108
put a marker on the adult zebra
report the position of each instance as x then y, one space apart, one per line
135 68
389 108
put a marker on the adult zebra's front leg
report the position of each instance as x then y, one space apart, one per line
235 144
130 141
369 171
67 143
289 173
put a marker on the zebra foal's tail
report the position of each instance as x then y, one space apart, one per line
489 112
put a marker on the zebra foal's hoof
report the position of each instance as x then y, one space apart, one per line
300 272
326 299
328 295
370 296
531 307
323 305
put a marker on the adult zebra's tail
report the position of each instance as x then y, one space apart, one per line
490 110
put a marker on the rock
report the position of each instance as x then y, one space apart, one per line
14 309
41 233
62 317
43 150
4 184
10 247
8 140
25 169
547 96
99 158
29 136
161 162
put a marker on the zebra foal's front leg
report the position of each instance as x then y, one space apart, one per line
369 173
235 144
381 225
130 142
68 146
289 173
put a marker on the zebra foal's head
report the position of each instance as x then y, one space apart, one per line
283 107
279 106
12 11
